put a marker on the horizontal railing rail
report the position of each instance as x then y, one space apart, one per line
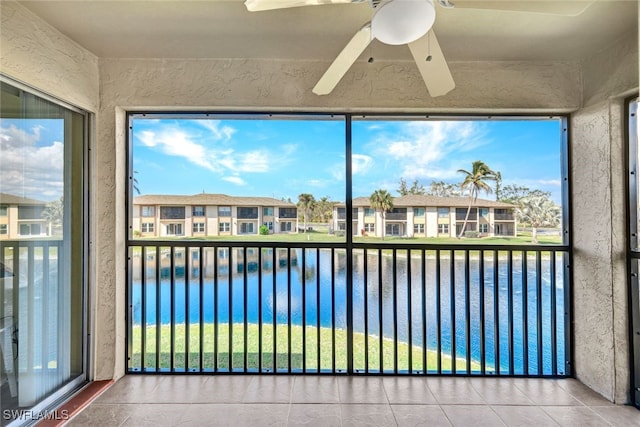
419 309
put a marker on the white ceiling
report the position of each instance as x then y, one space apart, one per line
225 29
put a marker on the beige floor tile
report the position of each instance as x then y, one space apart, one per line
361 390
521 416
472 415
453 391
315 389
235 415
367 415
405 390
582 393
269 389
132 389
545 392
575 416
104 414
499 391
320 415
617 415
154 415
420 415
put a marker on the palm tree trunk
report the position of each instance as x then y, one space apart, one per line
384 225
466 217
534 234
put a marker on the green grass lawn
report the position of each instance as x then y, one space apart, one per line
523 238
298 357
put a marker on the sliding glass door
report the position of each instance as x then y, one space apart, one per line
42 253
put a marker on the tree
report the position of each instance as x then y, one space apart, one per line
383 201
323 209
498 185
136 184
54 214
474 182
306 203
416 188
539 211
443 189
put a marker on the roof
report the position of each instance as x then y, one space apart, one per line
434 201
205 199
11 199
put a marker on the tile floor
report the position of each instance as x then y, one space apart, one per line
350 401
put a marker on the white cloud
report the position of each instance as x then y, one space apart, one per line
360 163
175 142
28 169
421 145
550 182
218 131
234 180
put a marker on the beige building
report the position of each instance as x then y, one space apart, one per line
429 216
203 215
21 218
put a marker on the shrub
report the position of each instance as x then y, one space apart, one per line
263 230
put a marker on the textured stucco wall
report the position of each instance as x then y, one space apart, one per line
598 175
612 72
277 85
35 53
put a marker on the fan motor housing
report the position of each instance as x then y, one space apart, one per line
398 22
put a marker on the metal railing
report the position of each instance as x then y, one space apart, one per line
247 307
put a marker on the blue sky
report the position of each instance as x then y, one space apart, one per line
32 158
283 158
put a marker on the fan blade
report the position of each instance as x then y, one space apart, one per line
549 7
435 71
344 61
259 5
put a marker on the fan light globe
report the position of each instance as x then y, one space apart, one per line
399 22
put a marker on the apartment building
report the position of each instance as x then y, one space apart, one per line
429 216
203 215
21 217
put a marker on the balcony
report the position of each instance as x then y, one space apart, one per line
296 308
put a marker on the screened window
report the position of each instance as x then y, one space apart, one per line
288 212
197 211
198 227
148 211
148 227
443 213
418 212
224 227
247 213
267 211
3 210
171 212
224 211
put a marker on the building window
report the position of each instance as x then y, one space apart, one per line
171 212
484 212
418 212
370 228
443 228
147 211
30 229
198 227
369 212
4 229
288 212
197 211
248 213
269 225
174 230
393 229
224 227
247 228
443 212
342 226
286 226
148 227
224 211
483 228
418 228
30 212
3 210
267 211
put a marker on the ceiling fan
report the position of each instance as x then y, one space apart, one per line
398 22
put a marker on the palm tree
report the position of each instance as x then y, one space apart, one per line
538 211
474 182
383 201
306 202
